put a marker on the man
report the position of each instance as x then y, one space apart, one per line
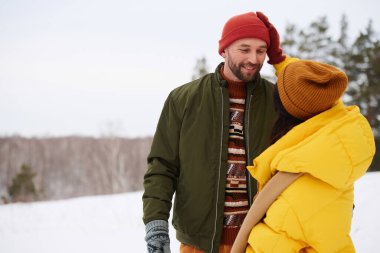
209 131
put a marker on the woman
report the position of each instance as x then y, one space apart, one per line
306 177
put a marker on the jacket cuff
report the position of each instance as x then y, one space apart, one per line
155 224
281 65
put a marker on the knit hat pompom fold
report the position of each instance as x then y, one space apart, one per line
307 88
242 26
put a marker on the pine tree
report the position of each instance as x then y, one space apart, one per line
22 187
200 69
363 70
313 43
340 51
289 42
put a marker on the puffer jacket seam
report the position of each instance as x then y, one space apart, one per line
295 214
322 207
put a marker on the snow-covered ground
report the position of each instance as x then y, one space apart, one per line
113 223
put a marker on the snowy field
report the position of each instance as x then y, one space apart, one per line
113 223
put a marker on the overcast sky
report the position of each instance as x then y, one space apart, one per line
92 67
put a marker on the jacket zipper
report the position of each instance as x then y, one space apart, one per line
248 159
220 164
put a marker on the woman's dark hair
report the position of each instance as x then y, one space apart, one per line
284 122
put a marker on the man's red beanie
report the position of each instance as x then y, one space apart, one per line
246 25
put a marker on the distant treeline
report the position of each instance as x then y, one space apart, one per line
68 167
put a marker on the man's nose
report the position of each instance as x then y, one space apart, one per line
252 58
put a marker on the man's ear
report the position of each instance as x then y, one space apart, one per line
223 54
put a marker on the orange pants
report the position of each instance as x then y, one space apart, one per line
190 249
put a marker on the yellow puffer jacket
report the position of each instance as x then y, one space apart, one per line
333 149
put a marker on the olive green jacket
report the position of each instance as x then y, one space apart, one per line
189 156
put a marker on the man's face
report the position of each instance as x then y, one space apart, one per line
244 59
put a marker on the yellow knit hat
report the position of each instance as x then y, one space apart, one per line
307 88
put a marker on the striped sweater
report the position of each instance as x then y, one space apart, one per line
236 197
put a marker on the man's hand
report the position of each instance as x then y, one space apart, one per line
157 236
274 51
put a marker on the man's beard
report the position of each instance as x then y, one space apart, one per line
240 75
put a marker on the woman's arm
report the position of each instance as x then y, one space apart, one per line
275 186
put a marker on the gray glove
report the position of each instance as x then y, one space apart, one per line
157 236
